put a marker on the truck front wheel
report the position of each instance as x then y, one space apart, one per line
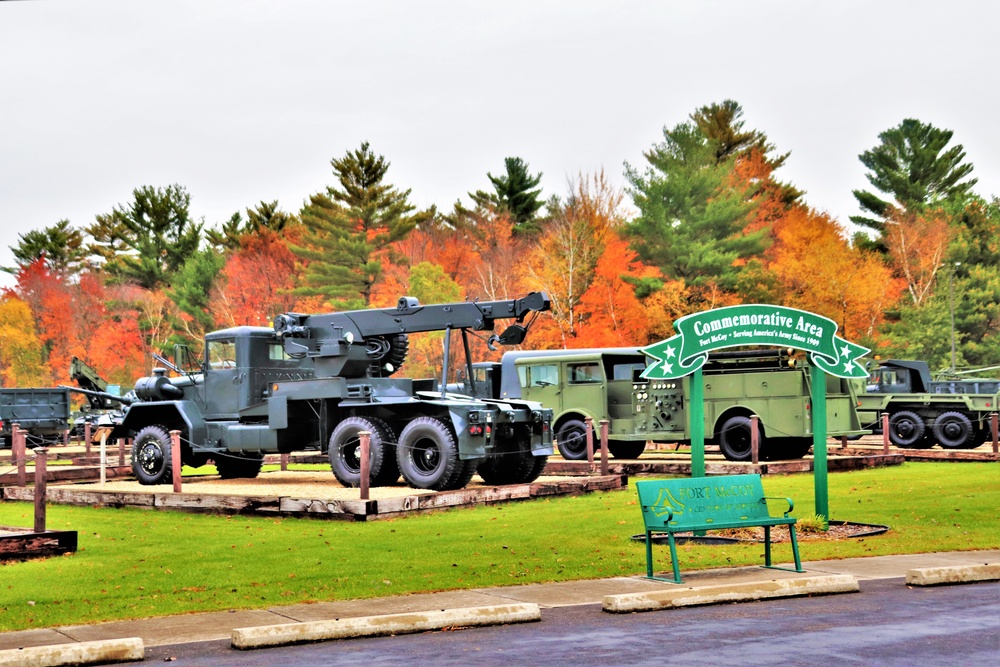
151 455
427 455
954 430
572 440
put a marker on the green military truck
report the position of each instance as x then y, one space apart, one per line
318 381
953 413
606 384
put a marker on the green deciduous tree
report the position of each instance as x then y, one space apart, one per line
348 230
148 240
911 169
61 245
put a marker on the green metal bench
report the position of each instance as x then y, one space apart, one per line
709 503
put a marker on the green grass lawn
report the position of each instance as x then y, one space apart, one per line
136 563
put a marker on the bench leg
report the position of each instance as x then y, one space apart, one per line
795 550
767 546
673 559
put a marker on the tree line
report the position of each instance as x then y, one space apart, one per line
703 222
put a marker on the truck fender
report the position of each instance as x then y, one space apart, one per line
183 415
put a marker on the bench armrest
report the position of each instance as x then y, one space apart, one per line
665 518
791 505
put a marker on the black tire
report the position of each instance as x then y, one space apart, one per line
572 440
151 461
427 455
906 428
789 448
238 466
954 430
624 449
345 452
734 439
514 468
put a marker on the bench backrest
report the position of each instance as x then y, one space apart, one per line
697 501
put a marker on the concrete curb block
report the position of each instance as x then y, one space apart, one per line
955 574
388 624
749 592
75 653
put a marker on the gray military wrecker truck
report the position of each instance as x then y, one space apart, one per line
953 413
606 384
317 381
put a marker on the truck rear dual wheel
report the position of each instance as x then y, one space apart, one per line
238 466
513 464
345 452
954 430
734 439
151 461
427 455
906 429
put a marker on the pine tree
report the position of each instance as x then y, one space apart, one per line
349 229
147 241
692 213
911 169
61 245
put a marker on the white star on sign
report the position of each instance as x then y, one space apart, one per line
846 350
670 353
669 367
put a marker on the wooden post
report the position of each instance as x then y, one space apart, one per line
86 436
994 426
843 442
13 442
604 446
589 423
885 432
121 451
104 455
17 446
41 457
175 458
65 437
284 462
365 447
754 440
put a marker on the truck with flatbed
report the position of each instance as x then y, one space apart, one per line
41 411
318 381
954 412
607 384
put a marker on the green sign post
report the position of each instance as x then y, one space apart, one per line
756 324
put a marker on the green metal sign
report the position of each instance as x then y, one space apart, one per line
733 326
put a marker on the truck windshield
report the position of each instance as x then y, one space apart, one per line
538 376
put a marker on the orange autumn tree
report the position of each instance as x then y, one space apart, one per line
257 280
611 314
564 262
820 272
917 244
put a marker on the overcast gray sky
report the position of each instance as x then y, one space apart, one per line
248 100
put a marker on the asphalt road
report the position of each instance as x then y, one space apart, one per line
885 624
